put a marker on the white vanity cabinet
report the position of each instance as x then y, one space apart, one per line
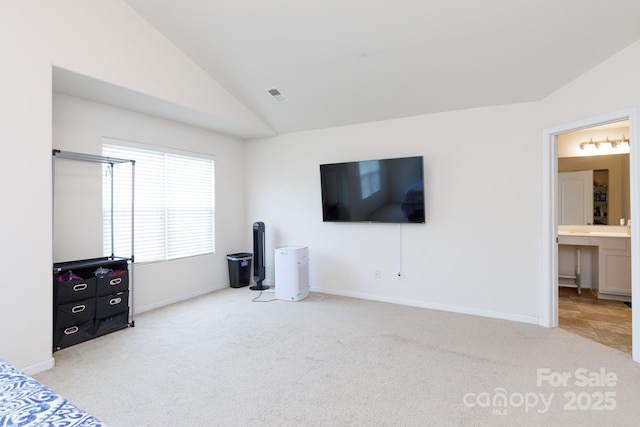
615 266
606 258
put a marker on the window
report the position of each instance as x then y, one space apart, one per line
369 177
174 204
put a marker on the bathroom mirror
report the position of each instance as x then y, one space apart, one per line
610 199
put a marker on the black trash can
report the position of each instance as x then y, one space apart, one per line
239 269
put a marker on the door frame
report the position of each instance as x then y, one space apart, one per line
549 313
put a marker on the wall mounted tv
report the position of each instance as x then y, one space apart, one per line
384 190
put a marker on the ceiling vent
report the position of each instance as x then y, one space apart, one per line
277 95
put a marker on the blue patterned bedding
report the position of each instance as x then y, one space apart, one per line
26 402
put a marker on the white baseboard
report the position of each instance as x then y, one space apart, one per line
39 367
183 297
432 306
401 301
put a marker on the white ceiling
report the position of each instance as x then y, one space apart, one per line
342 62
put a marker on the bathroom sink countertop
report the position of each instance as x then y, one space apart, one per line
592 234
594 230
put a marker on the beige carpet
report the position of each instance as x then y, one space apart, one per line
223 360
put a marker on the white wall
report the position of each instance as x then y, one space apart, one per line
79 125
25 217
105 40
610 86
479 251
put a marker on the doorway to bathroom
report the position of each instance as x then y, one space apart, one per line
593 197
554 150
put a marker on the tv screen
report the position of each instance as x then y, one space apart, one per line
384 190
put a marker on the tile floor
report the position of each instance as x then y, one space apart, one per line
604 321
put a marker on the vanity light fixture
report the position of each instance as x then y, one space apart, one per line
588 145
614 143
622 143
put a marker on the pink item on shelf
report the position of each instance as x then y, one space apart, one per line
68 277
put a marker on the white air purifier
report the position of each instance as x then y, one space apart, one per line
292 273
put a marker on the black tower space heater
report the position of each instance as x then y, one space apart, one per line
258 257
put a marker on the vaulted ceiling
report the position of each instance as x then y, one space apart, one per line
340 62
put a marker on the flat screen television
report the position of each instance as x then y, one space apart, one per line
383 190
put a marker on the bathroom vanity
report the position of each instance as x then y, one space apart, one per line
600 256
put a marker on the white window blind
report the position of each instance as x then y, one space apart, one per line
174 204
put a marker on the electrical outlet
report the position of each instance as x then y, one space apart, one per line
399 276
376 274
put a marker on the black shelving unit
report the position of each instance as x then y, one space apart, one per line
93 297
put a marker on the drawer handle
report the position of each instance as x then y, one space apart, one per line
71 330
115 281
80 287
115 301
78 308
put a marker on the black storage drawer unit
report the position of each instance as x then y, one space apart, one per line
74 313
117 281
111 323
74 290
91 298
109 305
73 335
